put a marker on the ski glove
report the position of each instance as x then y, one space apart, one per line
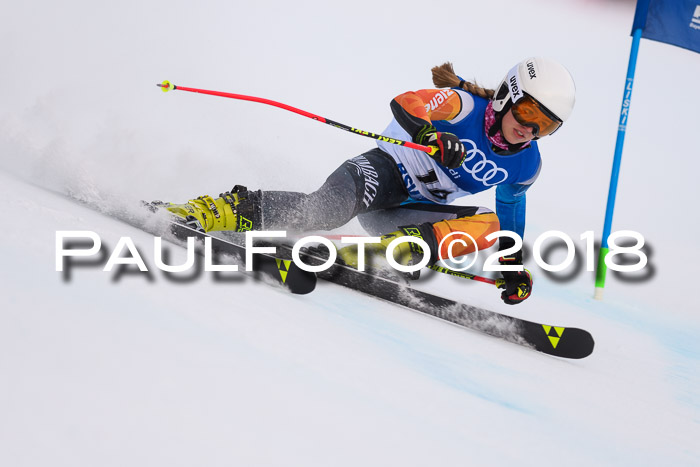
450 154
517 284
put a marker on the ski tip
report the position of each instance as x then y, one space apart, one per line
166 86
571 342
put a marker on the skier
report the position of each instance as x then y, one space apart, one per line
485 138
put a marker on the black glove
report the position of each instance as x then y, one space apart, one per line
517 284
451 152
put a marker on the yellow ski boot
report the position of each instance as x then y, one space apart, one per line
232 211
406 253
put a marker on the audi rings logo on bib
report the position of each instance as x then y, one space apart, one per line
480 168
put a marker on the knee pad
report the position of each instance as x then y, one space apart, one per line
477 226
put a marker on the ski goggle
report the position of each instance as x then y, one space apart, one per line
528 112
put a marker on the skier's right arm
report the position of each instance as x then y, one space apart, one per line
415 112
415 109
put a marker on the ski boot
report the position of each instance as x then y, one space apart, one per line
406 254
236 210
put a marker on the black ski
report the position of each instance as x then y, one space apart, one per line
268 268
265 267
560 341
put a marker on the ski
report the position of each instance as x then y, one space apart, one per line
265 267
280 270
559 341
275 270
551 339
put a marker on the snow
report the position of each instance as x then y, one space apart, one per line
156 369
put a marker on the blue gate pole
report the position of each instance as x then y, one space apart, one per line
622 127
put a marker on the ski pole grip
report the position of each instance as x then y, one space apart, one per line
432 150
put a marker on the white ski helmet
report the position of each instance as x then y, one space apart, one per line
544 80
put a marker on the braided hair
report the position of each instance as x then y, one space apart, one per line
444 76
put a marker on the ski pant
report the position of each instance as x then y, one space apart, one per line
371 188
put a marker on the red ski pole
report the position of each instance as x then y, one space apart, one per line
167 86
464 275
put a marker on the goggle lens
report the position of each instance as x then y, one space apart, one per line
528 112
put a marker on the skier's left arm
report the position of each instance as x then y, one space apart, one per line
511 202
510 208
416 110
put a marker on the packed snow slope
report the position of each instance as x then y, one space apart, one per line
127 367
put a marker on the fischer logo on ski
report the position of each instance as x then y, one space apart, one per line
554 336
283 267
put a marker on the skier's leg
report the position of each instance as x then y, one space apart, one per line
365 183
438 225
450 233
385 220
362 184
